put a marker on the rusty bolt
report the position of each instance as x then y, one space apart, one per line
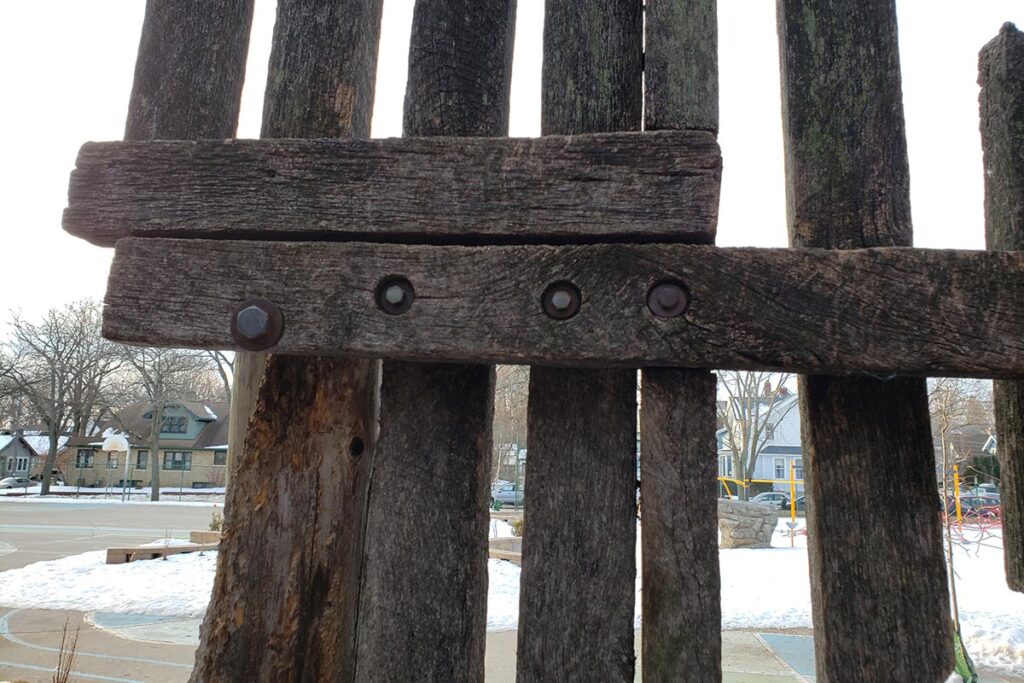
668 299
395 295
257 324
561 300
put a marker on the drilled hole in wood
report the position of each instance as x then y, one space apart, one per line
356 447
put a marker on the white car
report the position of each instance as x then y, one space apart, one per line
16 482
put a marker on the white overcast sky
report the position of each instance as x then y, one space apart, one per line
67 68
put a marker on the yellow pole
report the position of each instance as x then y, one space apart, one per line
956 497
792 501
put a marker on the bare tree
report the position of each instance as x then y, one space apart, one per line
224 364
59 366
511 387
164 375
956 404
752 405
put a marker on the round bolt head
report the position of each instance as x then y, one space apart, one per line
561 300
668 299
395 295
257 324
252 322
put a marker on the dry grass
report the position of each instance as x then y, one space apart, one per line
66 656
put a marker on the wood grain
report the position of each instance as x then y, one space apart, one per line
681 600
423 611
190 70
648 186
577 590
1002 137
884 311
681 65
876 558
682 613
286 594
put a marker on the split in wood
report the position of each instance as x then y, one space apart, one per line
657 186
879 311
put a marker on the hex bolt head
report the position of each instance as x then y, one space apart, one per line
252 322
561 300
668 299
257 324
395 295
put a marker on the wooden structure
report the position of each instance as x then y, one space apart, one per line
151 552
587 253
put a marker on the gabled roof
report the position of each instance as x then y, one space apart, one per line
133 418
7 439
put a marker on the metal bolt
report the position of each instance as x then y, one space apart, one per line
257 324
668 299
561 300
395 295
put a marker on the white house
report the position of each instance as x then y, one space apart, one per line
780 450
17 457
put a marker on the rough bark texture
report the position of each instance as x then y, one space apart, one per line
635 186
1002 136
579 564
681 65
285 598
812 310
682 614
190 70
681 598
423 609
876 557
579 558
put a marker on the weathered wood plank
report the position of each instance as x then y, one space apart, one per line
579 549
650 186
681 65
285 597
190 70
678 466
1002 137
681 600
906 311
423 611
876 560
579 559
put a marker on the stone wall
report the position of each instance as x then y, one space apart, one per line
746 525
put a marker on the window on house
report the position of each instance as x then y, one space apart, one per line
780 468
141 460
84 458
171 424
769 432
10 463
220 458
799 468
111 462
177 460
22 465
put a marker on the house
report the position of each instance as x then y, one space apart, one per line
780 451
193 451
17 457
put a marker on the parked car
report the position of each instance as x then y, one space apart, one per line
774 498
506 494
16 482
975 506
57 479
985 490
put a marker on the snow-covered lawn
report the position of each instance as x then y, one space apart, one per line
760 589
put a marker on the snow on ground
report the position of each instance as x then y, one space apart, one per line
766 588
179 585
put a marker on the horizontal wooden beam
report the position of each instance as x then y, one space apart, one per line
660 186
881 311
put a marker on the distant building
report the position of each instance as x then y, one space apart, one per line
17 457
193 448
780 451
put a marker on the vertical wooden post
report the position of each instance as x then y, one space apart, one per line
1002 136
296 506
682 623
423 609
878 581
682 611
188 83
579 563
